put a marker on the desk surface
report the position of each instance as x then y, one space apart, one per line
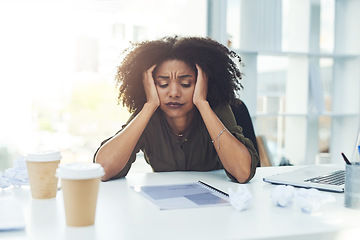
123 213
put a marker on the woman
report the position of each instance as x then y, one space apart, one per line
179 91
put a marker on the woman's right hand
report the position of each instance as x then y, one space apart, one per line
150 88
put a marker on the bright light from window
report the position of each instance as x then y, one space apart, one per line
57 65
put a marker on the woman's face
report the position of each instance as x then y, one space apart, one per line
175 84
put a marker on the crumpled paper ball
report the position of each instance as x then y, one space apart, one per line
4 181
282 195
310 200
241 198
16 176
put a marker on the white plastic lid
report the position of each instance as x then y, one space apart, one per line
77 171
46 156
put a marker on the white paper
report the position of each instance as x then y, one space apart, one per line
282 195
177 196
16 176
11 215
307 200
241 198
310 200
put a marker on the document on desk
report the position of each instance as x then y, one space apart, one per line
11 215
190 195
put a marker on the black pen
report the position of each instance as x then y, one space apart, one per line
213 188
345 159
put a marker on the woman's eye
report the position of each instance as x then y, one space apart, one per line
186 85
163 85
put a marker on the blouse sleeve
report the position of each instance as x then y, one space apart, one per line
132 158
226 115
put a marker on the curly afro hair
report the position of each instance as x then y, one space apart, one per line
220 64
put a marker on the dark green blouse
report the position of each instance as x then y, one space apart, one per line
164 152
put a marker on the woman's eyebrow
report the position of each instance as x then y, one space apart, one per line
181 76
185 76
163 77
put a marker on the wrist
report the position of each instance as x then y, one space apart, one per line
149 106
202 104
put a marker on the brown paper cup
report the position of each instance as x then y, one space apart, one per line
43 183
80 185
80 197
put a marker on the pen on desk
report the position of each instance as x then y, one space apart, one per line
345 159
213 188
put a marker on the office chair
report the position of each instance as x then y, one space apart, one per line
243 119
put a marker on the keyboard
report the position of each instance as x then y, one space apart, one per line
334 178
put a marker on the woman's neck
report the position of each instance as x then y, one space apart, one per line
181 124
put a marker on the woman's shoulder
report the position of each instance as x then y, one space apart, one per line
225 114
222 109
155 122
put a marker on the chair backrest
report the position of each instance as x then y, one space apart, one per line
264 152
243 119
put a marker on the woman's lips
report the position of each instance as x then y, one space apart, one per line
174 104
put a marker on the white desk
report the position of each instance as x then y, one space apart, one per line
123 213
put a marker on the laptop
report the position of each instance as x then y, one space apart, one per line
321 177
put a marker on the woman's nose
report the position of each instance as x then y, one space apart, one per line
174 90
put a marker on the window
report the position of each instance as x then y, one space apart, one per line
58 60
300 74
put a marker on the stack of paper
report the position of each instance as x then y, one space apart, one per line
189 195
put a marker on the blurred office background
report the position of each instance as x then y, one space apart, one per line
58 60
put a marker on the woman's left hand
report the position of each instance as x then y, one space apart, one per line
201 86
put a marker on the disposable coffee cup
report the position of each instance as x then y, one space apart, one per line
80 185
41 171
352 185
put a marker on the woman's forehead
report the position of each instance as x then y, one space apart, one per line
173 65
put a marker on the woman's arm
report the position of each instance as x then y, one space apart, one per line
115 153
234 156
